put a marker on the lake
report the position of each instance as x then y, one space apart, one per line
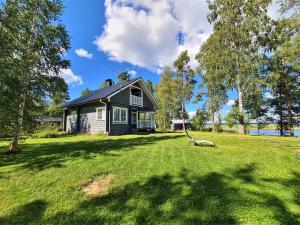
271 132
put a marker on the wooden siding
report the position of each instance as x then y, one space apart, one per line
88 122
116 128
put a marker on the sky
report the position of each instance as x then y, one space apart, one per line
138 36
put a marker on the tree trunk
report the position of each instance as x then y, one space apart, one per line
219 121
13 147
241 125
212 119
18 126
289 106
183 121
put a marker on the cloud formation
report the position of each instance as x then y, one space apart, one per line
83 53
192 114
132 73
70 77
150 33
230 102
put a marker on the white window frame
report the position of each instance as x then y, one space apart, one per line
120 116
103 114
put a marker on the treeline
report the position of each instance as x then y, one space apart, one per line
250 53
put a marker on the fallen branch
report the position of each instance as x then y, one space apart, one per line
203 143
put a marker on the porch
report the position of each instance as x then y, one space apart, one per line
142 121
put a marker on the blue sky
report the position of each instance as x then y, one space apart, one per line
140 36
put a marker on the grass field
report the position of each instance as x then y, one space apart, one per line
158 179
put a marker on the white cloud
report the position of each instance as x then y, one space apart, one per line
230 102
133 73
268 95
151 33
192 114
83 53
146 32
70 77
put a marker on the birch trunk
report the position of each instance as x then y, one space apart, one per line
18 126
183 120
212 119
13 147
289 107
241 125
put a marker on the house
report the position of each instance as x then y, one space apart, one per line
177 124
116 109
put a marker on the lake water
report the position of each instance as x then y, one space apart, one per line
271 132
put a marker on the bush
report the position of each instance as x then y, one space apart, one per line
49 134
48 131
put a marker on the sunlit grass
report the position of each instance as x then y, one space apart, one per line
160 179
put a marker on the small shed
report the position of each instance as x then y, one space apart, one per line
177 124
57 120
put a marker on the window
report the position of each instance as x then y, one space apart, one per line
120 115
73 115
100 113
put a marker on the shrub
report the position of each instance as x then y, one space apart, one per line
49 134
48 131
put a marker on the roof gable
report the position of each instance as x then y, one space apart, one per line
100 93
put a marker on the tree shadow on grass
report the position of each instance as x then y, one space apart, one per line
30 213
54 154
170 199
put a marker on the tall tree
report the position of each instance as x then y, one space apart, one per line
215 73
150 86
123 76
166 96
86 91
184 82
200 119
58 98
244 27
32 56
284 84
106 83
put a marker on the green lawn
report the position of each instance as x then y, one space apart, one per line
159 179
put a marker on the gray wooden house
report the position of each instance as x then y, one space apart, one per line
116 109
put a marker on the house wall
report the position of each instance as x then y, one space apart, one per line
146 102
120 100
87 122
71 124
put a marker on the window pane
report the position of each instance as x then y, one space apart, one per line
99 114
123 115
116 115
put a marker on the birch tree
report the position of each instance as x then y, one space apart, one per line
244 27
32 54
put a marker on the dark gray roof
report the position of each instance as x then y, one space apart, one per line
99 93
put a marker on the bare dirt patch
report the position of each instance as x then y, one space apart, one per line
99 187
298 153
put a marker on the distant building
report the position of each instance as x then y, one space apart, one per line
177 124
58 120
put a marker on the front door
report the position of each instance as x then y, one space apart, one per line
133 120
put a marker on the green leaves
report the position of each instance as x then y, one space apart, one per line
32 45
